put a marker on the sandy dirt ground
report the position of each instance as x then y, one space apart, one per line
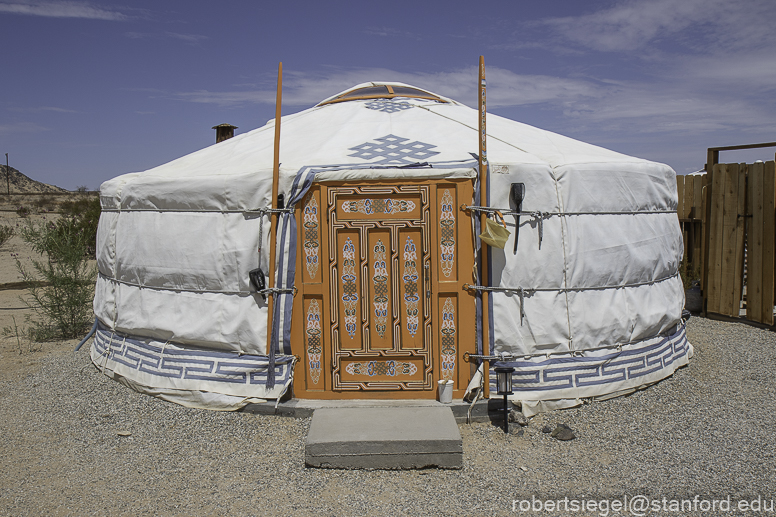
74 442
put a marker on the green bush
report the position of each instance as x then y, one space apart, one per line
85 214
6 232
61 283
45 203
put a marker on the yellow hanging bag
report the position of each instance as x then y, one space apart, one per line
495 234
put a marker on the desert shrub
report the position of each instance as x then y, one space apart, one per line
6 232
84 213
14 331
44 203
61 283
80 205
22 211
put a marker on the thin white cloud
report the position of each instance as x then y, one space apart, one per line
702 25
633 109
41 109
689 98
508 88
389 32
693 67
738 73
188 38
230 99
62 10
686 96
22 127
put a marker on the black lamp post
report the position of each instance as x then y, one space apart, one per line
504 381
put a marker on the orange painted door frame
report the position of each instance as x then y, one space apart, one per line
381 311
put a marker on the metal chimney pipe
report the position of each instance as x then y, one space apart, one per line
224 132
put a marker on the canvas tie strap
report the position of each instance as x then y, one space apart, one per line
539 216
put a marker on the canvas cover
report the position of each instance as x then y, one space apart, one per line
590 304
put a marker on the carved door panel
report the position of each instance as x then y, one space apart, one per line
381 288
379 263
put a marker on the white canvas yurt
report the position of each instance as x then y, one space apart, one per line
376 292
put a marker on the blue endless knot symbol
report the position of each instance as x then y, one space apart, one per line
394 150
388 106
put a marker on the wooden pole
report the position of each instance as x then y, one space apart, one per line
712 158
483 166
274 217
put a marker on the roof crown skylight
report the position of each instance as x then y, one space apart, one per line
382 91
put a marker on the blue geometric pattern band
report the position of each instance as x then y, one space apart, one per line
173 364
570 376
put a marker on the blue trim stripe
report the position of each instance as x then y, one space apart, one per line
189 364
560 373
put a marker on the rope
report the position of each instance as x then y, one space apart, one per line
268 291
506 356
531 290
537 213
224 211
541 216
177 289
262 211
106 353
522 291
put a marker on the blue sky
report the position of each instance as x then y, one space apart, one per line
91 90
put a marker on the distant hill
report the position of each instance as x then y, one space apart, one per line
21 184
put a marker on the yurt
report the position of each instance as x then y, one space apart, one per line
377 287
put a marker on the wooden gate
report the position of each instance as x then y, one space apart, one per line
740 236
380 273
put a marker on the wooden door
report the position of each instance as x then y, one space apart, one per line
384 316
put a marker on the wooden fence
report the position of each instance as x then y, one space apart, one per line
691 213
738 228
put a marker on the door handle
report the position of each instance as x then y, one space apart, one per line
427 280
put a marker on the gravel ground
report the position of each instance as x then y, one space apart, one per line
706 431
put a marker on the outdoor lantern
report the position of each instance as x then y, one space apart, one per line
504 382
504 379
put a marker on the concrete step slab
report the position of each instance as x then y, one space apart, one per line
384 438
482 411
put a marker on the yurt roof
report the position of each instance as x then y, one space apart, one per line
332 133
